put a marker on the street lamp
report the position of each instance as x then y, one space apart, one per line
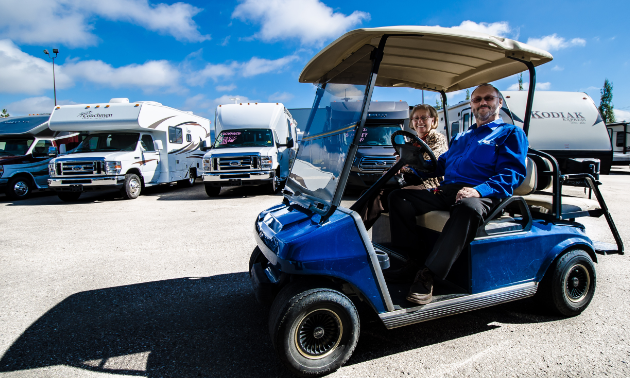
55 51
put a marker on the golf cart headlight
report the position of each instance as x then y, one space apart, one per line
51 169
207 164
266 162
112 167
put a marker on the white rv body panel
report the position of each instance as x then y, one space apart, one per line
619 134
181 134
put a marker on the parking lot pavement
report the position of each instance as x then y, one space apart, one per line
158 287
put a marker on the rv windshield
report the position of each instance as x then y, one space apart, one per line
244 138
109 142
378 135
15 146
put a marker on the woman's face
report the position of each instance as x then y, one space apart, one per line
421 122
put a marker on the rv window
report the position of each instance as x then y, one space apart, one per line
620 137
454 128
14 147
41 147
244 138
147 143
188 138
175 135
109 142
466 123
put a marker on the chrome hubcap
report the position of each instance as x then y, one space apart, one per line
20 188
318 334
134 187
577 283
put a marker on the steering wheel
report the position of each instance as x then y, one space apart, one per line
412 155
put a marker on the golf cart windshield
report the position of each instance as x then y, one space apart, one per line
325 145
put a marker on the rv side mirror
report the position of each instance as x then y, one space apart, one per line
52 151
62 149
204 146
157 144
290 143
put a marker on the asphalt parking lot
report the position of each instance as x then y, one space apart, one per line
157 287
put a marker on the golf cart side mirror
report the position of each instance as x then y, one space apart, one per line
62 149
290 143
52 151
157 144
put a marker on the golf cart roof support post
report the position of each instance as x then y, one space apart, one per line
446 125
530 92
318 98
377 57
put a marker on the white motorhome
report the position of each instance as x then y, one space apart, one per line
127 146
619 134
24 153
566 125
254 145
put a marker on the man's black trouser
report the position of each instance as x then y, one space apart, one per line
460 229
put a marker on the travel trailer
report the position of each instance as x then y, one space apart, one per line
619 134
24 153
566 125
254 145
127 146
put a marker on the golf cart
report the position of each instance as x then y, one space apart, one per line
315 260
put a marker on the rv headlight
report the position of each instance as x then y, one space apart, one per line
266 162
112 167
51 169
207 165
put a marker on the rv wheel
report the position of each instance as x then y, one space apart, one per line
569 285
190 181
212 191
69 196
132 187
19 188
314 331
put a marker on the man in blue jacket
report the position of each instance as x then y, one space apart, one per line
483 165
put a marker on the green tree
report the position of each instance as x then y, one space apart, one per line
438 106
4 114
467 94
520 82
606 108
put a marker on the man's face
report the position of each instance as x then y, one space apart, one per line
485 104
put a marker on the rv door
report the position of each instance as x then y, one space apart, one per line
150 165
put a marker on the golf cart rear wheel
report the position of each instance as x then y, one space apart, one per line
571 284
212 191
313 331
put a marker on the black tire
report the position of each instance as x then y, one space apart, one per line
212 191
569 285
190 181
19 188
69 196
314 331
257 257
132 187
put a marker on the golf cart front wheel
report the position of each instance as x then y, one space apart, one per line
571 285
313 331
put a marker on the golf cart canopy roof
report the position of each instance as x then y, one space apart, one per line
422 57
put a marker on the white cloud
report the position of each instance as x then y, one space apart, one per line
553 42
24 73
32 105
621 115
450 95
539 86
70 22
280 97
225 88
200 104
212 71
257 66
557 68
310 21
500 29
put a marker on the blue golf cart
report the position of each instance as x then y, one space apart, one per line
315 260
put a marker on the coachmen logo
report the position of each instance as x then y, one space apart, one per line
90 115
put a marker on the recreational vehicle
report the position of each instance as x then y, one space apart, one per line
254 145
24 153
127 146
566 125
619 134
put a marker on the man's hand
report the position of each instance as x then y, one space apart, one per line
467 193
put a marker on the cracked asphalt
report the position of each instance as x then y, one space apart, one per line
157 287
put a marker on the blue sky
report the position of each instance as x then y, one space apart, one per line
195 55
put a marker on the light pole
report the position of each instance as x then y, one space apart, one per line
55 51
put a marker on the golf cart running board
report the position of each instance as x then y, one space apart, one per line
399 318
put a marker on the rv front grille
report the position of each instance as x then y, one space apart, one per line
79 168
376 163
236 163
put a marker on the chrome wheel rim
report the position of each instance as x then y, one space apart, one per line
20 188
318 334
577 283
134 187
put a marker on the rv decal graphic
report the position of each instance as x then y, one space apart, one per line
572 117
156 124
140 162
90 115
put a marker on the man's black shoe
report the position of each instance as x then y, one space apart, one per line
421 291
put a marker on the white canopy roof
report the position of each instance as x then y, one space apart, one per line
422 57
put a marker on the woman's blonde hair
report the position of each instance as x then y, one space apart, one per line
431 111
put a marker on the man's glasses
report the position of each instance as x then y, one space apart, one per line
423 118
487 98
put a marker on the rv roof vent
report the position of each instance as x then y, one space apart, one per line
188 112
149 102
119 101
